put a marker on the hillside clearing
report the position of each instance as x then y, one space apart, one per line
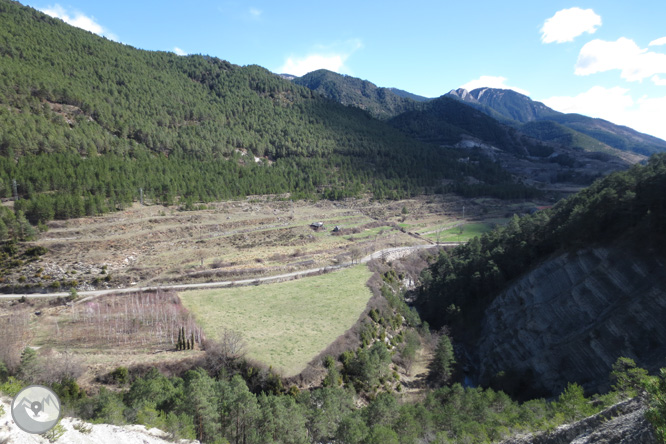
286 324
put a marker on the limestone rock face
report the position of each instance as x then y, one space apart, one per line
569 319
623 423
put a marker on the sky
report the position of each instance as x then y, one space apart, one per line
601 58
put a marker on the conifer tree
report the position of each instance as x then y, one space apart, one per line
442 366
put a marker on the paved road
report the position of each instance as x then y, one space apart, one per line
388 253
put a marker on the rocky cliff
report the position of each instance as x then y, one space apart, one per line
623 423
570 318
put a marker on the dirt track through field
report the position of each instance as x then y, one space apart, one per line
387 254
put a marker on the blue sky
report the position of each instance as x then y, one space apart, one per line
600 58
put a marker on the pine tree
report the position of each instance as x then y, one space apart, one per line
442 366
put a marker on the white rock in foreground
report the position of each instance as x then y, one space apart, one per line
99 433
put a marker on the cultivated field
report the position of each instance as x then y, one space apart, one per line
287 324
153 245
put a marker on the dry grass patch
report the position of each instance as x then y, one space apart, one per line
287 324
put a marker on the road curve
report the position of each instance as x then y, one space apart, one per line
390 253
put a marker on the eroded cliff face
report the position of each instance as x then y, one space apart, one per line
570 318
623 423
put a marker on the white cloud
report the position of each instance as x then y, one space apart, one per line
492 82
299 66
179 51
256 13
658 80
625 55
78 19
658 42
595 102
568 24
332 57
616 105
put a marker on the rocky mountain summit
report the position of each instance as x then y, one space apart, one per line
506 102
539 121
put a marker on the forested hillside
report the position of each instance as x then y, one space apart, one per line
92 121
445 120
382 103
628 206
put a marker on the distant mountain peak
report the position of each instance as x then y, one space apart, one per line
525 114
382 103
462 94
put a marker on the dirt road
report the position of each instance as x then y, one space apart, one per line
387 254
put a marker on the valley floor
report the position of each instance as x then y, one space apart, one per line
254 239
235 240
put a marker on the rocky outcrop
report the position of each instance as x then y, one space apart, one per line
569 319
76 431
622 423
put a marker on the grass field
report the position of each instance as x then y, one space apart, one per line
462 233
286 324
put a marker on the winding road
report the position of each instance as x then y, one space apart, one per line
389 253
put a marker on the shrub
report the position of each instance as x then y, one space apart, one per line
120 375
4 372
36 251
656 414
73 294
55 433
82 427
627 376
572 403
11 387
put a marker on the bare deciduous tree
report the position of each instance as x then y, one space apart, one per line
136 319
57 367
225 351
355 254
15 337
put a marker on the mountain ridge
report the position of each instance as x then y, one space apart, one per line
76 107
517 110
382 103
